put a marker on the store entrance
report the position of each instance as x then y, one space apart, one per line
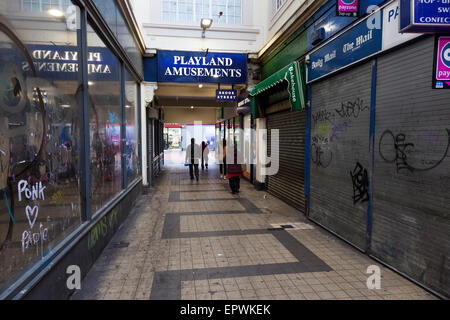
172 136
177 137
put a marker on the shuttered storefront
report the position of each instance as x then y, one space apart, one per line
288 183
411 186
340 127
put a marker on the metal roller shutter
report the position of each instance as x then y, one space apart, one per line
288 184
411 224
340 153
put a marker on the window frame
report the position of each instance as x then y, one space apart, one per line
196 17
23 6
279 4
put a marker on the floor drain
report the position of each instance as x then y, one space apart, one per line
120 244
292 226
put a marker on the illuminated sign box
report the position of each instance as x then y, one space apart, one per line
347 8
423 16
202 67
441 77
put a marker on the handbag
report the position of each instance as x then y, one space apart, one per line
234 168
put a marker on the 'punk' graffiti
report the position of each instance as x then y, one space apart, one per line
32 192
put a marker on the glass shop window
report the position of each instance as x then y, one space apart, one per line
105 118
131 124
39 134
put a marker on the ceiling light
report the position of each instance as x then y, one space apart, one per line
200 86
192 107
206 23
127 106
55 12
65 106
90 83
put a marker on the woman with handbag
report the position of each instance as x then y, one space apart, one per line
234 172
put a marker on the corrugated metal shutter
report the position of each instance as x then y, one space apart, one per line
411 225
288 184
339 148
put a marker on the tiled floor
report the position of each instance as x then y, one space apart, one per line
195 240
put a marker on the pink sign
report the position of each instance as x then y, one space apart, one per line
348 5
443 59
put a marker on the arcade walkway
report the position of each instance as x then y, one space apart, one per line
195 240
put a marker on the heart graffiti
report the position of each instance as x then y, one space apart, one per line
32 214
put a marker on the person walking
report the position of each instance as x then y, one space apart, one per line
193 155
223 157
205 155
234 170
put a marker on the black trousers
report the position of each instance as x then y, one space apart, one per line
223 168
193 167
235 183
204 164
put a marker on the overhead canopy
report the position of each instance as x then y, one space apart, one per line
291 74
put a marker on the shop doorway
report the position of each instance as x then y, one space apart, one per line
172 136
177 137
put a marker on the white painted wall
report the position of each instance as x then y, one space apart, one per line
186 115
260 26
246 37
278 19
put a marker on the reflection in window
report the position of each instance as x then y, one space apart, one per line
39 138
105 118
116 22
131 124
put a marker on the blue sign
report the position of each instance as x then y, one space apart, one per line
424 16
226 95
352 46
202 67
151 69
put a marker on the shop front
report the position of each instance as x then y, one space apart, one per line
379 142
69 150
279 103
247 136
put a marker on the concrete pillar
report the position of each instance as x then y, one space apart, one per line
147 94
261 152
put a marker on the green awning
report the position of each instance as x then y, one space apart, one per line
291 74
